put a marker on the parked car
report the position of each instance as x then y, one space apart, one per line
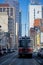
40 52
35 54
25 47
12 50
8 50
4 50
1 52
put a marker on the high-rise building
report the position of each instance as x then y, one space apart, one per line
15 4
3 21
35 11
3 29
11 21
20 25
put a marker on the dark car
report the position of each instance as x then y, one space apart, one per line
40 52
1 52
4 50
8 50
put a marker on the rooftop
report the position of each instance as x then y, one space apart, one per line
4 5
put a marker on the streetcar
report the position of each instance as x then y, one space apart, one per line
25 47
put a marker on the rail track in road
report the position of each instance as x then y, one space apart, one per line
14 60
39 60
6 60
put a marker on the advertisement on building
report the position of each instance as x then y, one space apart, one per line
38 40
42 37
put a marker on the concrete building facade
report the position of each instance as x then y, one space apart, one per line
35 12
4 21
11 21
15 4
20 25
36 33
3 29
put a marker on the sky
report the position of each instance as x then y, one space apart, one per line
24 9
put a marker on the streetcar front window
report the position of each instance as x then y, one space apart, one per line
22 43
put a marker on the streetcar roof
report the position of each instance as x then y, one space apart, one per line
24 38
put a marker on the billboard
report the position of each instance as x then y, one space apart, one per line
41 37
38 39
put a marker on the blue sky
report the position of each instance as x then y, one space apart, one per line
24 6
24 9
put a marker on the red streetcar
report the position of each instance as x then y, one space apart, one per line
25 47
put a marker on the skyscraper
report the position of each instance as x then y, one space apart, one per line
11 20
35 11
20 25
15 4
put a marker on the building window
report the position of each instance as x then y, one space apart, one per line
11 12
0 26
4 9
42 23
0 9
42 12
8 11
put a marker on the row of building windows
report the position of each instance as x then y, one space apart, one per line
9 11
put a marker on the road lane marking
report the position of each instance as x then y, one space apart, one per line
38 61
7 60
6 56
16 62
13 61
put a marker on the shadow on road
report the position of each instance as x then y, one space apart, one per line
25 57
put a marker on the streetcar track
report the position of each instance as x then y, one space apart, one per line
39 61
9 59
6 57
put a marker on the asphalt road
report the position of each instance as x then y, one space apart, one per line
39 60
12 59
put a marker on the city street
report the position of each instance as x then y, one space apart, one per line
12 59
21 32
